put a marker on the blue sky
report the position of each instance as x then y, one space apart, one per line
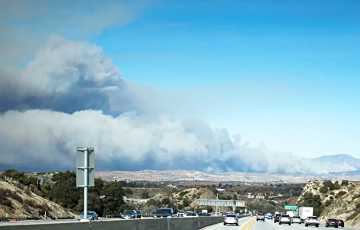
283 73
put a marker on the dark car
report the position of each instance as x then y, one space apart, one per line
204 214
139 213
129 214
91 215
341 223
332 223
276 218
164 212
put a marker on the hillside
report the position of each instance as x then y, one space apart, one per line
21 203
335 199
340 159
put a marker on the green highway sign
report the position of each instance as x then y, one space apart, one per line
290 207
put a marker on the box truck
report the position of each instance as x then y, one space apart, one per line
305 212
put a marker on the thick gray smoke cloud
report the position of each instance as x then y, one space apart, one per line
73 95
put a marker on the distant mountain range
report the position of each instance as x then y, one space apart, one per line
340 158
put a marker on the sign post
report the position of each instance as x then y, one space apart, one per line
85 159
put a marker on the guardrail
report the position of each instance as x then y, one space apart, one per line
188 223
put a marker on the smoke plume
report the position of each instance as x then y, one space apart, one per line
72 95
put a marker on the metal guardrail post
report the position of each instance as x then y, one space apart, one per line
168 222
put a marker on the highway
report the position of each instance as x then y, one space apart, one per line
250 223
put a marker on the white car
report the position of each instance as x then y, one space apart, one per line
284 219
312 220
181 213
296 219
231 219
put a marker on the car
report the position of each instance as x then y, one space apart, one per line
332 223
260 216
276 218
191 214
312 220
204 214
164 212
91 215
284 219
181 213
270 217
296 219
129 214
341 222
139 213
231 219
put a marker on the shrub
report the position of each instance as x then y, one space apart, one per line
145 195
31 203
27 191
341 193
345 183
183 193
185 202
15 196
337 186
357 206
2 176
166 201
324 189
328 203
329 184
5 201
331 197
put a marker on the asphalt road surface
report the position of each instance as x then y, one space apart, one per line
250 223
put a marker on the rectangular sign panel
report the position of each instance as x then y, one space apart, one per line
296 213
290 207
221 203
80 167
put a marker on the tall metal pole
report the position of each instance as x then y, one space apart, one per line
86 183
217 197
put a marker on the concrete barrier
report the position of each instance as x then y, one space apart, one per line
191 223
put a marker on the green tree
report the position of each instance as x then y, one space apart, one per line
153 202
114 198
328 203
185 202
337 185
166 201
234 197
64 190
145 194
324 189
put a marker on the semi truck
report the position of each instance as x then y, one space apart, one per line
305 212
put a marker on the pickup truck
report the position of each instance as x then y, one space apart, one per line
312 220
260 216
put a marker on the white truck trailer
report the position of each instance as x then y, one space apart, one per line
305 212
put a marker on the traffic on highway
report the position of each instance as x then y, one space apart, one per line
250 223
